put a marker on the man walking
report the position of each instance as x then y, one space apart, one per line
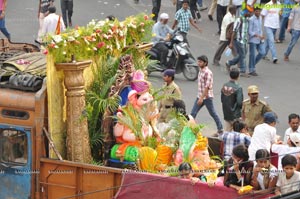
253 109
67 11
212 9
155 9
294 28
183 19
256 41
43 12
221 12
205 92
271 24
239 40
232 99
53 23
162 33
2 19
172 92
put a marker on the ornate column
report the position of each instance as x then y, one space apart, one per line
78 147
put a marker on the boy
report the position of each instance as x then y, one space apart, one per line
289 180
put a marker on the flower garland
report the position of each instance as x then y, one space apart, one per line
101 38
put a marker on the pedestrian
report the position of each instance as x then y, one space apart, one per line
221 12
294 122
294 28
53 23
161 34
194 10
2 19
155 9
172 92
67 11
238 135
239 41
256 41
253 109
232 99
292 147
223 44
286 10
205 92
183 19
270 14
288 180
264 135
238 169
265 175
212 9
43 12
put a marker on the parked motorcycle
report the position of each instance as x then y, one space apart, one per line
179 58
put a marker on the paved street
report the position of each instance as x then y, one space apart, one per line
278 83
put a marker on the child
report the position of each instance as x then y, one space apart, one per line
292 147
238 170
289 180
186 172
264 173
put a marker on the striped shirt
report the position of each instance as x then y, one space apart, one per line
205 80
241 28
183 17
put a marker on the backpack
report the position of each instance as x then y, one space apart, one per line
229 31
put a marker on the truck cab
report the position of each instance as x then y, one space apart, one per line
22 119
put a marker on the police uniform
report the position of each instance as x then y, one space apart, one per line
166 104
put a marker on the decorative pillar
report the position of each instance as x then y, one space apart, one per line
78 147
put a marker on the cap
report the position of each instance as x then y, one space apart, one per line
203 58
270 117
164 16
295 138
253 89
169 72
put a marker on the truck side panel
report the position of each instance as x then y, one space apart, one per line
62 179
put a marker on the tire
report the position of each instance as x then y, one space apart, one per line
190 70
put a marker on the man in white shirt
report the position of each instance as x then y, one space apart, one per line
53 23
270 15
221 12
294 121
264 135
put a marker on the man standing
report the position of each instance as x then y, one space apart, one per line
294 28
270 15
286 10
172 92
162 33
67 11
294 121
228 18
205 92
183 18
256 41
155 9
2 19
43 12
253 109
221 12
53 23
232 99
239 40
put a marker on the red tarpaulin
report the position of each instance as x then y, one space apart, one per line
144 185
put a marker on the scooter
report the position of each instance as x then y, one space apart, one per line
179 58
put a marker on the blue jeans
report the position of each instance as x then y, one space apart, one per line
3 28
283 24
210 107
240 57
269 44
253 60
295 37
199 3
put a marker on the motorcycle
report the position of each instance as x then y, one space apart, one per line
179 58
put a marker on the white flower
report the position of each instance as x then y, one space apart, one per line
92 23
64 53
76 34
57 38
71 38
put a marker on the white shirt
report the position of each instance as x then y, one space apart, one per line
288 185
263 136
237 2
282 150
227 19
223 2
271 15
50 23
249 2
288 132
